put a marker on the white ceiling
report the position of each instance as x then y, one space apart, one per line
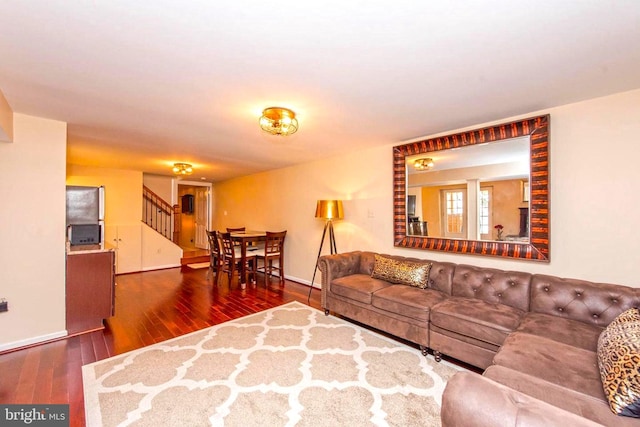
145 83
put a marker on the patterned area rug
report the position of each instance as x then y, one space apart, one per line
290 365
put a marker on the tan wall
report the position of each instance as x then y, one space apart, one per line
122 188
593 152
32 235
161 185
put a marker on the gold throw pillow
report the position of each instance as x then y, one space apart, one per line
400 271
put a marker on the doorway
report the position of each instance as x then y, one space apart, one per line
194 199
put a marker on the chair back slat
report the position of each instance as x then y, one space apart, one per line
274 242
214 242
228 250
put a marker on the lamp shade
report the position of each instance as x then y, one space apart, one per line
329 209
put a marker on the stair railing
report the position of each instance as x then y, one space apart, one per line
160 215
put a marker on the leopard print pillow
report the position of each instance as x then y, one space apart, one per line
619 363
400 271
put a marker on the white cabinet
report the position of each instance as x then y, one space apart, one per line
127 240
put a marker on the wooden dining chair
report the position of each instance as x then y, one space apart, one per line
273 250
215 253
232 259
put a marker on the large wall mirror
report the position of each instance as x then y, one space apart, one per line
483 192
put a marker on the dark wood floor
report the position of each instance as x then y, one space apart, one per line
150 307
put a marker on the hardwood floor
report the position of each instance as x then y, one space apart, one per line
150 307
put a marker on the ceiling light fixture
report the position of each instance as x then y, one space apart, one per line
423 164
182 168
278 121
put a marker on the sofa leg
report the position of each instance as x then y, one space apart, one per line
326 312
424 350
437 355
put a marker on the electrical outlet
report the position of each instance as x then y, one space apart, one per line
4 305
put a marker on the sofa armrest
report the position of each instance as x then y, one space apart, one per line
472 400
335 266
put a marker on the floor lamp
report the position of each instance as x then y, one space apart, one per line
327 210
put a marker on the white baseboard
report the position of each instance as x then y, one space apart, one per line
34 340
303 281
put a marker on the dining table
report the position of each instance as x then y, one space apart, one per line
244 238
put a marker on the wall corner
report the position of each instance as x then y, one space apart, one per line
6 120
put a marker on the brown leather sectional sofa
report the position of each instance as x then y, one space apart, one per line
535 336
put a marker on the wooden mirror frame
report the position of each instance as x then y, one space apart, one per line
537 249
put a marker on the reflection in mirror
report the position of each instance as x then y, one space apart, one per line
474 192
484 191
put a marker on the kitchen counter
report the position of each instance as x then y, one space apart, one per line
88 249
90 287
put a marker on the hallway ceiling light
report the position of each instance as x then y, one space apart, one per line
423 164
279 121
182 168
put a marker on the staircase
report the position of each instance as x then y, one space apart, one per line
194 256
160 215
165 219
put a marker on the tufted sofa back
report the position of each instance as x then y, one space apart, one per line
366 262
593 303
495 286
441 276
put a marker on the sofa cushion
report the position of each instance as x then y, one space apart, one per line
357 287
572 332
476 318
408 301
571 367
574 401
619 363
473 400
401 271
491 285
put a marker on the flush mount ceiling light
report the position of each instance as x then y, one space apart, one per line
182 169
278 121
423 164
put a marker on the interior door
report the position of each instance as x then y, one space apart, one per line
454 213
201 216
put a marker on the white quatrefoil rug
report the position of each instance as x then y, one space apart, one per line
290 365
